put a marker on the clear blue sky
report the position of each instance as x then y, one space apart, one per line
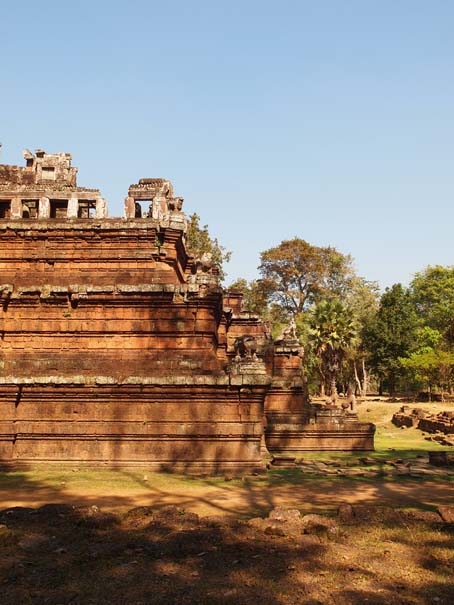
330 120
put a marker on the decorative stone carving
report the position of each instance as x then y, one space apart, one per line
204 271
289 332
245 348
47 183
175 204
349 403
129 210
156 211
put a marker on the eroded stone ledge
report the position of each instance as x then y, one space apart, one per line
171 380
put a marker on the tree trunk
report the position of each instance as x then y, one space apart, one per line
357 380
333 389
365 380
392 385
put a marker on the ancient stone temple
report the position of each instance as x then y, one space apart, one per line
119 347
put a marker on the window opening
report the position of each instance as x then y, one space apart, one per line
87 209
58 208
48 173
30 209
143 208
5 209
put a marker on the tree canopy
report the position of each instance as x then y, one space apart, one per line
332 332
401 339
199 242
296 274
391 334
432 367
433 294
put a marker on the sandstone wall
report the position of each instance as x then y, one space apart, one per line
109 354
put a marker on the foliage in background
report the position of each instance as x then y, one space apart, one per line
200 242
362 300
296 278
432 367
296 274
433 294
332 332
255 299
403 339
391 334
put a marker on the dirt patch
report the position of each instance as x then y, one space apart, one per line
58 554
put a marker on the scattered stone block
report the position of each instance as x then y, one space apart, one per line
446 513
438 458
285 515
283 461
316 524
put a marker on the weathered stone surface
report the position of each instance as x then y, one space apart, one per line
283 461
118 346
285 515
280 522
314 524
441 425
289 522
438 458
447 513
45 188
109 353
293 424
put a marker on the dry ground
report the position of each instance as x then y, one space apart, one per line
59 555
92 549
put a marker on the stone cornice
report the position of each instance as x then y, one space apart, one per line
176 222
167 381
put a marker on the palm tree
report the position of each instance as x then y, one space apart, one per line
332 332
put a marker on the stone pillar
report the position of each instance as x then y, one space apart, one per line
101 208
73 207
16 208
130 207
44 208
159 206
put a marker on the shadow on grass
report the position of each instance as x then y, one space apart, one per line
58 555
122 489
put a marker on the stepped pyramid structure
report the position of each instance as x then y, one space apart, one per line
119 347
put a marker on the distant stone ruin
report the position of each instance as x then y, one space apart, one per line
119 347
440 426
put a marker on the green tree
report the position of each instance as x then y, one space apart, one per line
332 332
362 300
199 241
433 367
296 274
255 299
390 334
433 293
